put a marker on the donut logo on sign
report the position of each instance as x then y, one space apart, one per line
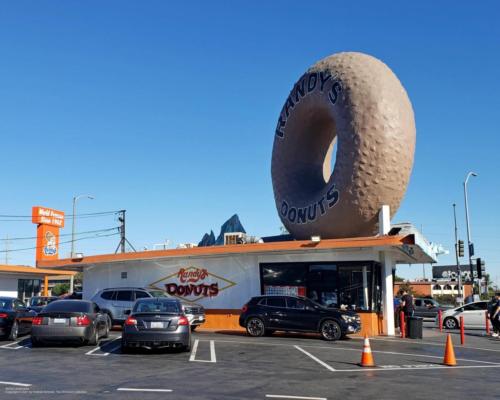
192 284
356 101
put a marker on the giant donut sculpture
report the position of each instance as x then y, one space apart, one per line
356 99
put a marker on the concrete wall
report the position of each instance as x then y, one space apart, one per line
8 285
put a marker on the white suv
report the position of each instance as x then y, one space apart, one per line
115 301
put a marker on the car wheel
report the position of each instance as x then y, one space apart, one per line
106 332
110 319
14 331
187 347
330 330
255 327
95 338
450 323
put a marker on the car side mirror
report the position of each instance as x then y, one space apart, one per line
127 312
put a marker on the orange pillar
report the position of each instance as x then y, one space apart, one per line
46 285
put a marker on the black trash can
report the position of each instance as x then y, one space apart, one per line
415 327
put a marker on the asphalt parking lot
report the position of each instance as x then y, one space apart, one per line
234 366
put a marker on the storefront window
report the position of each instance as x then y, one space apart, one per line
348 285
27 288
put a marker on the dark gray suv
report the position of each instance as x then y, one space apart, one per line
116 301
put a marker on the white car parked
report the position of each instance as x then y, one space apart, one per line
474 316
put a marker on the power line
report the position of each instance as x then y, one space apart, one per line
69 241
23 218
65 234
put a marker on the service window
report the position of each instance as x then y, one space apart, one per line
124 295
276 302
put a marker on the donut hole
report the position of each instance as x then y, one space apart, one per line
330 159
310 145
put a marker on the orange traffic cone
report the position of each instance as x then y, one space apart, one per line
449 353
366 356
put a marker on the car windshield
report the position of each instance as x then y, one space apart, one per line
158 306
41 301
68 306
5 303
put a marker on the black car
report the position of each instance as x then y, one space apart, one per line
266 314
15 318
38 302
70 320
156 323
72 296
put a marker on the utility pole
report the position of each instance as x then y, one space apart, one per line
456 256
123 238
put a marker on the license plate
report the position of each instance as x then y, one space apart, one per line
156 325
60 320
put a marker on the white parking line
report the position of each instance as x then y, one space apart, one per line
415 368
9 345
315 358
143 390
280 396
356 349
15 384
92 352
401 354
213 358
428 343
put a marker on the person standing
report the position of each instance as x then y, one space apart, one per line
494 312
407 304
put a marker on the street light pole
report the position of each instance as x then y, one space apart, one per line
456 256
469 240
75 199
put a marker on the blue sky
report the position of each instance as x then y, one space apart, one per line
168 110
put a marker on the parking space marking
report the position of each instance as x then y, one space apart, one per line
93 351
402 354
315 358
213 358
144 390
429 343
8 345
15 384
281 396
415 368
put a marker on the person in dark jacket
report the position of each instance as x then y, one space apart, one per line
494 313
407 304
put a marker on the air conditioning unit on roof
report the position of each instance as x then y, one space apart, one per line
240 238
234 238
186 245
